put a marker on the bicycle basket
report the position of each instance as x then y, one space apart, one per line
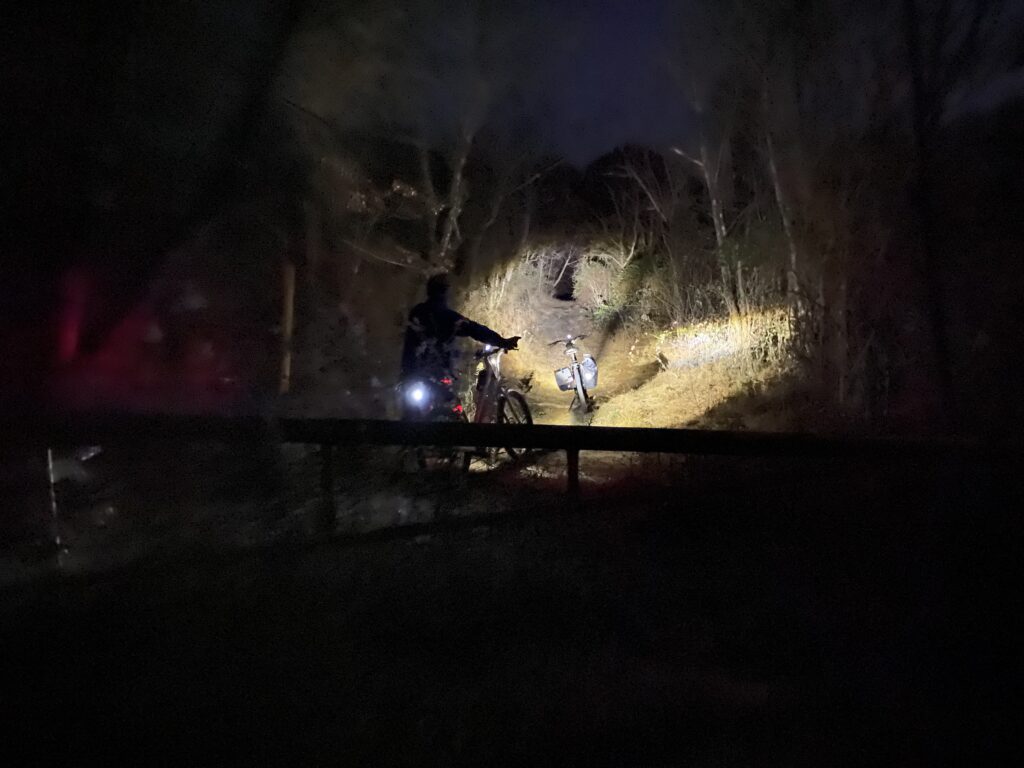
588 372
564 379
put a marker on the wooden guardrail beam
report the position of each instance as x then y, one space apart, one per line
628 439
91 429
97 429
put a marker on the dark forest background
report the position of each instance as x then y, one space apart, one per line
843 186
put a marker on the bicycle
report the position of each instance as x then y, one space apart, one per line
433 399
580 376
429 399
495 401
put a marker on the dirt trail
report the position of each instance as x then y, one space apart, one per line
555 319
633 390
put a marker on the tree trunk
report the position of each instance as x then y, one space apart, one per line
741 291
287 325
711 182
243 129
430 196
314 242
451 237
529 201
792 281
931 265
841 345
471 258
718 221
824 333
729 291
348 276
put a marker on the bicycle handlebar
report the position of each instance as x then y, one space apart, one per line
480 354
567 340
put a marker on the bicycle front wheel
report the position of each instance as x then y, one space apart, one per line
513 410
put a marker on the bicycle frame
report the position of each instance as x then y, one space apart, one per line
490 388
581 397
577 374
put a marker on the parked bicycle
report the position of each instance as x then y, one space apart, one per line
494 401
433 399
580 375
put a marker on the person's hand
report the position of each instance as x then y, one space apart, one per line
512 343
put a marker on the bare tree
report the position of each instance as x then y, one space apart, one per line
945 45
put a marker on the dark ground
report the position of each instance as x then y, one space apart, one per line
757 614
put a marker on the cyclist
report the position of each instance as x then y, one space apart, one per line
433 326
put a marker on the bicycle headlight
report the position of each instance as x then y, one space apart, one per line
417 394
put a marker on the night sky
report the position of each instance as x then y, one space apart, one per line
575 79
607 85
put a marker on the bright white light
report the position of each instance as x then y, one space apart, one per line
417 393
568 335
488 347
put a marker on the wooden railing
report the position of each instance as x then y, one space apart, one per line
329 433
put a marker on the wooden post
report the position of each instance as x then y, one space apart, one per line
287 326
314 237
328 513
572 468
54 510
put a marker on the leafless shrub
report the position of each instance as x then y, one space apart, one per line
508 298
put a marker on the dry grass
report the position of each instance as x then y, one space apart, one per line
676 398
755 339
507 299
650 376
605 282
516 300
704 365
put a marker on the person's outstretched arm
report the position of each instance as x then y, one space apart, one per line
466 327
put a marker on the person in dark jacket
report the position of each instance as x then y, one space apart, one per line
432 329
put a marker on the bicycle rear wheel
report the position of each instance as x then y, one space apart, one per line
513 409
444 458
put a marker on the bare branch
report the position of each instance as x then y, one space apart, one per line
377 257
631 172
536 176
685 156
429 193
